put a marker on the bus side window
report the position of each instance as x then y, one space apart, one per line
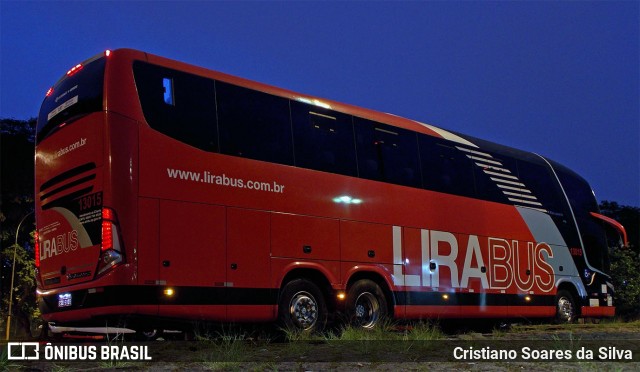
323 139
253 124
444 168
387 154
167 84
178 104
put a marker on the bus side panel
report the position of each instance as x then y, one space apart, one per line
193 259
304 237
250 297
366 242
148 241
121 180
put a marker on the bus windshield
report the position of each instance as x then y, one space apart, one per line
78 93
592 230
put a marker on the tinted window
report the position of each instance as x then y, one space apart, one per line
323 139
387 153
544 186
592 232
253 124
445 168
492 176
73 96
178 104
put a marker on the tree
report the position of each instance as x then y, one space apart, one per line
25 309
625 262
16 202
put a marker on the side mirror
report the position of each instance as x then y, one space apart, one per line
616 226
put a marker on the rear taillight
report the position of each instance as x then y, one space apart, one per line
108 222
75 69
111 252
36 238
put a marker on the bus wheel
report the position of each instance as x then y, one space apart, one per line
366 304
148 335
302 306
565 307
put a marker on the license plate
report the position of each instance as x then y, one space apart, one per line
64 300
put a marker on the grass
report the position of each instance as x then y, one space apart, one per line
232 348
5 363
387 331
612 324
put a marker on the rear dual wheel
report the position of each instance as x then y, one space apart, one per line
366 304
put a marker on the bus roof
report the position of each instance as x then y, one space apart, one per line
365 113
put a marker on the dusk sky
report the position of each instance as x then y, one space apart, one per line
557 78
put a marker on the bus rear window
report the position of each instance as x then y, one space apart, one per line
78 93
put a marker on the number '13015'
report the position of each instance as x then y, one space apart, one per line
90 201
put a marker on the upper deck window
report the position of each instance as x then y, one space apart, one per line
323 139
178 104
387 153
445 168
78 93
253 124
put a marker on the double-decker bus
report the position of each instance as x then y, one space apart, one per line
166 192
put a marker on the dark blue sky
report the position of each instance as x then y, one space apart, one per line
557 78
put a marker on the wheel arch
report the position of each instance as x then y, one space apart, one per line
317 277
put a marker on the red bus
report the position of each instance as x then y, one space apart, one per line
167 192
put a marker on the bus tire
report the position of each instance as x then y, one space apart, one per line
148 334
302 307
566 311
366 304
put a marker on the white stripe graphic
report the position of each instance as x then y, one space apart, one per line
514 189
399 278
509 182
492 167
485 160
448 135
474 152
501 175
520 195
503 178
526 202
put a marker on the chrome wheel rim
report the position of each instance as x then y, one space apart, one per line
367 310
565 309
303 309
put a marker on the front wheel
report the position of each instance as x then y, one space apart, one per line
366 304
302 306
566 311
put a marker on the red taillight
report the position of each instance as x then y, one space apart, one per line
111 250
108 214
74 69
107 229
36 237
49 92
